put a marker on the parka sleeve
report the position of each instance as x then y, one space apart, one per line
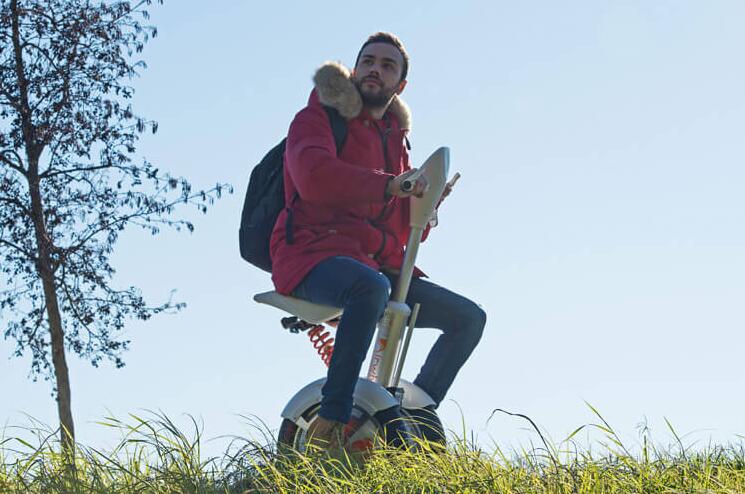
318 174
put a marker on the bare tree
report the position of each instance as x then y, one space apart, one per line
69 184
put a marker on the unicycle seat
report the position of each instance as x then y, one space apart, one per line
307 311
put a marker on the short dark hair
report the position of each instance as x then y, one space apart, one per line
391 39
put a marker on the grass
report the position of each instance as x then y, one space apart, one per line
154 456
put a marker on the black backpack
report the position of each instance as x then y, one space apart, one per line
265 198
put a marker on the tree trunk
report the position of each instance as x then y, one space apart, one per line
46 273
43 242
61 373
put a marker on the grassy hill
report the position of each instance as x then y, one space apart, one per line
156 457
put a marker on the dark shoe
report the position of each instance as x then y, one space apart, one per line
326 436
429 425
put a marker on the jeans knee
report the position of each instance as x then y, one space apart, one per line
375 290
382 288
475 322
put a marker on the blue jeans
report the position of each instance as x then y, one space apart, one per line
363 294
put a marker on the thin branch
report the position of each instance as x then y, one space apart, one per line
65 94
53 151
25 110
43 52
15 202
16 166
38 324
73 305
127 218
19 249
49 174
11 100
129 12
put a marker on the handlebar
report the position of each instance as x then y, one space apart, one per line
408 184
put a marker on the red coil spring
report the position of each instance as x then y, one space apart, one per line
322 342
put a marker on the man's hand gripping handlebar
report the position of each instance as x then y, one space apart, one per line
409 183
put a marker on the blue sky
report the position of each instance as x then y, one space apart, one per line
599 218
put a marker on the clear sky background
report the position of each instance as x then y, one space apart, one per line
599 218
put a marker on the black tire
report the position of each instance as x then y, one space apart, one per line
392 426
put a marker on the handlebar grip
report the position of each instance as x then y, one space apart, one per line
408 184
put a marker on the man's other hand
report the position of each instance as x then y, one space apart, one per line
449 187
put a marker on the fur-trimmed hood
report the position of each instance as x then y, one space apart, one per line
335 88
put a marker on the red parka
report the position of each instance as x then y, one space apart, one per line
337 203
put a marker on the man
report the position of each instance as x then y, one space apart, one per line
342 235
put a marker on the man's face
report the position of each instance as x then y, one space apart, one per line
378 74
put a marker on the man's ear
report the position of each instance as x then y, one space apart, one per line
401 86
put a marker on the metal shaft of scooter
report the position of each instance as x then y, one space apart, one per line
401 358
396 320
383 369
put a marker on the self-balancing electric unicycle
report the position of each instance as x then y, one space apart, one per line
384 406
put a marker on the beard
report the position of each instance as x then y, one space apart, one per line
379 99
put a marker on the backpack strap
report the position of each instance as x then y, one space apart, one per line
339 129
